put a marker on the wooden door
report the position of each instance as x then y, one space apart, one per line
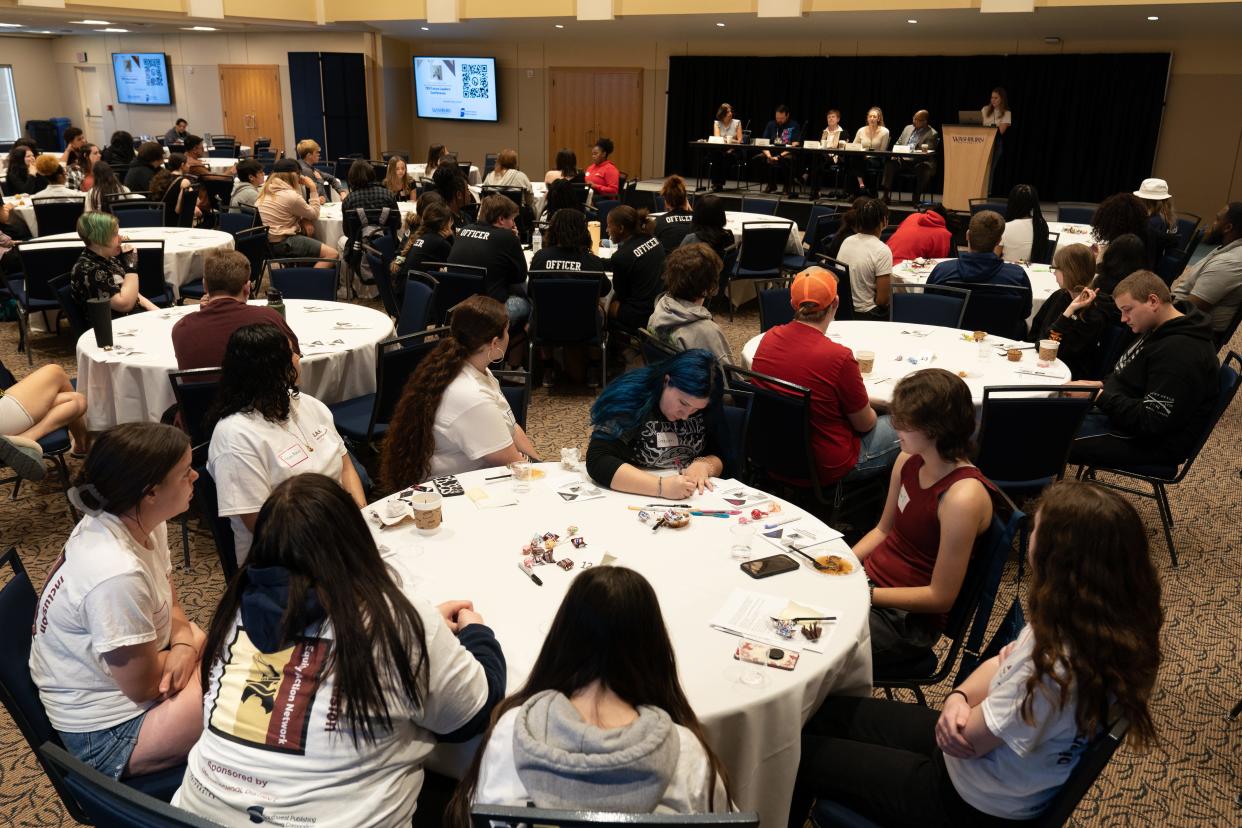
90 101
571 114
250 98
619 116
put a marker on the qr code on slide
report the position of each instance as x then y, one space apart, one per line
474 81
154 68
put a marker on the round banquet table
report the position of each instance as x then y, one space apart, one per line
130 382
754 730
895 344
185 248
1043 282
417 170
219 165
23 206
329 227
538 190
1071 233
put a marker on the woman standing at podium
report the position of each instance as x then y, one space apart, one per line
997 113
730 129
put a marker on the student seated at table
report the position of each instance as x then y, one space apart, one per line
847 227
492 243
267 431
566 167
636 266
983 265
1127 254
452 416
672 224
1120 214
430 239
870 261
201 339
602 722
665 416
22 176
173 186
434 153
366 192
602 175
1025 238
848 439
250 178
938 507
1157 399
105 183
308 156
455 190
147 162
114 657
1071 314
36 405
102 271
289 217
120 149
1161 214
374 673
681 318
922 236
507 174
53 174
1011 734
1214 283
707 226
398 181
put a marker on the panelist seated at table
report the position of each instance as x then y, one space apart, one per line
602 175
102 271
776 167
847 438
289 216
1071 315
452 416
1013 732
114 657
342 641
201 339
602 722
267 431
919 136
870 261
250 178
492 243
922 236
938 507
871 136
681 318
983 264
1155 403
672 225
665 416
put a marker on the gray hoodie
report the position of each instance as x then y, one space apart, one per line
687 326
243 193
563 762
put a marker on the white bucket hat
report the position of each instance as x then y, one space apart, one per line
1153 189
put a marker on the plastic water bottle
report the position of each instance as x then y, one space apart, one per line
536 240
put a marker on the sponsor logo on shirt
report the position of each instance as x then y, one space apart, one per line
50 594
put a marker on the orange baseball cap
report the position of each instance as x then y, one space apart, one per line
813 286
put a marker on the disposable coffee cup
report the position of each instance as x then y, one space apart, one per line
428 514
1048 350
593 229
99 314
866 361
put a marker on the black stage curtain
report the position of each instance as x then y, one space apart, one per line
1085 126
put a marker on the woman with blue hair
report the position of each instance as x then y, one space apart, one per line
665 416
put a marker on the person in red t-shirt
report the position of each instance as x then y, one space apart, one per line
848 439
922 236
938 507
602 176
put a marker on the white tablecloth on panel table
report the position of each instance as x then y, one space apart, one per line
123 387
1043 282
185 248
329 227
896 343
754 730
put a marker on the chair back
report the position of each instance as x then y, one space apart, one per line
1224 337
1227 388
1171 265
507 816
109 803
1025 434
1113 342
127 201
564 311
655 349
818 213
763 247
514 194
978 205
455 283
602 208
195 392
777 442
1050 249
233 223
997 309
78 321
845 291
150 269
774 302
968 617
44 261
827 227
222 151
763 206
132 217
888 231
379 255
1091 763
253 244
341 168
1074 212
221 527
489 163
1187 224
300 279
396 361
515 385
928 305
416 304
58 215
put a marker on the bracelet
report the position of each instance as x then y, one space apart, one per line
959 693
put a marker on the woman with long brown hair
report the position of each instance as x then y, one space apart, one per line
452 417
602 721
1010 735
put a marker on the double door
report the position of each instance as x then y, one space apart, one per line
587 104
250 98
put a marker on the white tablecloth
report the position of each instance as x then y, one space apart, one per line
538 189
1071 233
895 344
128 388
755 731
329 227
185 248
1043 282
219 164
23 206
417 170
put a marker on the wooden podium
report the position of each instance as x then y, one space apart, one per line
967 163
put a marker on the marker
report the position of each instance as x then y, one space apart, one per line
530 574
781 521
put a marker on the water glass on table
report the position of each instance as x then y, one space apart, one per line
740 537
522 471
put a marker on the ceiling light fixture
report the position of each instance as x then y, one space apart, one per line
113 31
92 22
425 28
720 25
912 20
1152 17
11 25
560 25
198 28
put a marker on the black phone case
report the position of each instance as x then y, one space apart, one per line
769 566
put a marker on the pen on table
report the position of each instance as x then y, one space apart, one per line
657 506
781 521
529 574
498 477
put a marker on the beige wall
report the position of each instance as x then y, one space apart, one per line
38 93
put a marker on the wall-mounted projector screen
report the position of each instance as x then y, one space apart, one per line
456 88
142 78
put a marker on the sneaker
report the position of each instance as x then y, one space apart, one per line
23 456
549 376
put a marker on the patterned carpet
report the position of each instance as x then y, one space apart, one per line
1191 778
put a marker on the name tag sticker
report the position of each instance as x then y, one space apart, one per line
902 499
667 439
293 455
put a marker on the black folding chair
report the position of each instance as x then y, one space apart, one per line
1050 249
998 309
654 349
379 254
454 284
221 527
42 261
515 385
774 302
760 256
928 305
565 312
150 269
978 205
845 291
58 215
416 303
299 278
1073 212
364 419
79 322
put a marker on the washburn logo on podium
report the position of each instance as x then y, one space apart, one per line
265 699
967 139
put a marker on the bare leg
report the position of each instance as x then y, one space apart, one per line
171 728
326 252
49 399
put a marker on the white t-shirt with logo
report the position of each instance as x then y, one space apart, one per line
474 420
107 591
249 456
1017 779
868 257
274 746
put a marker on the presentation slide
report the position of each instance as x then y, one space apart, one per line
456 88
142 78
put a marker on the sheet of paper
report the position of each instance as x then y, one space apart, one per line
574 487
493 498
798 536
749 615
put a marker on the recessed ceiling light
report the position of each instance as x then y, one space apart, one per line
92 22
198 28
1152 17
912 20
425 28
113 31
560 25
720 25
11 25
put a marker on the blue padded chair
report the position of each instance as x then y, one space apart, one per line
998 309
251 243
761 254
58 215
150 269
234 223
379 254
139 216
78 321
417 303
774 303
1159 476
454 283
365 419
845 291
928 305
298 278
760 205
602 209
20 696
1072 212
1025 435
42 261
515 385
221 527
195 392
1171 265
565 312
1188 233
978 205
507 816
